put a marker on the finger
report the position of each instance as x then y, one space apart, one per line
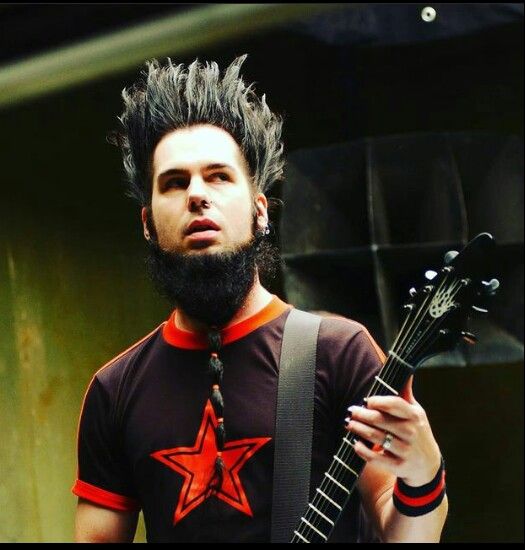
390 404
385 459
364 431
378 420
377 437
407 393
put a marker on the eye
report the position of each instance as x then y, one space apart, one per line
219 176
177 183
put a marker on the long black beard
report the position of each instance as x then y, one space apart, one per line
209 288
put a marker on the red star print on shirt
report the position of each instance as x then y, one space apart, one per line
197 465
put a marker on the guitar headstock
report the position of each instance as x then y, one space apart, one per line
439 309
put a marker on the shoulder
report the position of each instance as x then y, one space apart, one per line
111 373
340 333
348 358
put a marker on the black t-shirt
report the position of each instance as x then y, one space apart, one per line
147 427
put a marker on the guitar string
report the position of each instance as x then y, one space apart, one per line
421 307
389 371
402 352
329 487
421 313
389 375
430 332
345 453
415 346
323 505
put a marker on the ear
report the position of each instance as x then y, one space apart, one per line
144 216
261 205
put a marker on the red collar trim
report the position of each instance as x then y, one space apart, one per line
196 340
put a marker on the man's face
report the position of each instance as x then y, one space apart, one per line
202 199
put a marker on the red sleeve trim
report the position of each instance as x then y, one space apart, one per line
104 498
420 501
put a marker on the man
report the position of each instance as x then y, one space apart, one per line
181 425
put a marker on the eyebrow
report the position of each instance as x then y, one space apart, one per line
177 171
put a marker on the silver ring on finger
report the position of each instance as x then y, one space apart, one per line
387 442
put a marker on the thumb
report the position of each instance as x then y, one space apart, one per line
407 393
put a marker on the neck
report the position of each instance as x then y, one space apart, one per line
258 298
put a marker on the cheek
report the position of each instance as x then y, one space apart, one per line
243 219
167 225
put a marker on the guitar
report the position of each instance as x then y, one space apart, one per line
435 317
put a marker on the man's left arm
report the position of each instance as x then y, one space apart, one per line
413 456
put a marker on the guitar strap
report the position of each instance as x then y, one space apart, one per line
294 423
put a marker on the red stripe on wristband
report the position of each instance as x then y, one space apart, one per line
420 501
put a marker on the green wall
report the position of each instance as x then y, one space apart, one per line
73 294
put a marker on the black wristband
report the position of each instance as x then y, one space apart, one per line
418 501
422 490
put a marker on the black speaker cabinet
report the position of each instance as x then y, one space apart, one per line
363 221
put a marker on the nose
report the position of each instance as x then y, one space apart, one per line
198 195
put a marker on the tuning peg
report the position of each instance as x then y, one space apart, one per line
469 337
490 287
412 292
430 274
450 255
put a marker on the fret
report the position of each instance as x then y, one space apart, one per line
337 483
345 465
329 499
386 385
425 331
301 537
321 514
314 528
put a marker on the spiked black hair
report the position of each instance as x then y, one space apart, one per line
168 97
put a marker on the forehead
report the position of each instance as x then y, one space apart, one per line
196 146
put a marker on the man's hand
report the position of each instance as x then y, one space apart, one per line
413 454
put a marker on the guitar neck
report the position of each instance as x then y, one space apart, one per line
436 314
339 480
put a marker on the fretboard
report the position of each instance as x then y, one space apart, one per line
339 480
